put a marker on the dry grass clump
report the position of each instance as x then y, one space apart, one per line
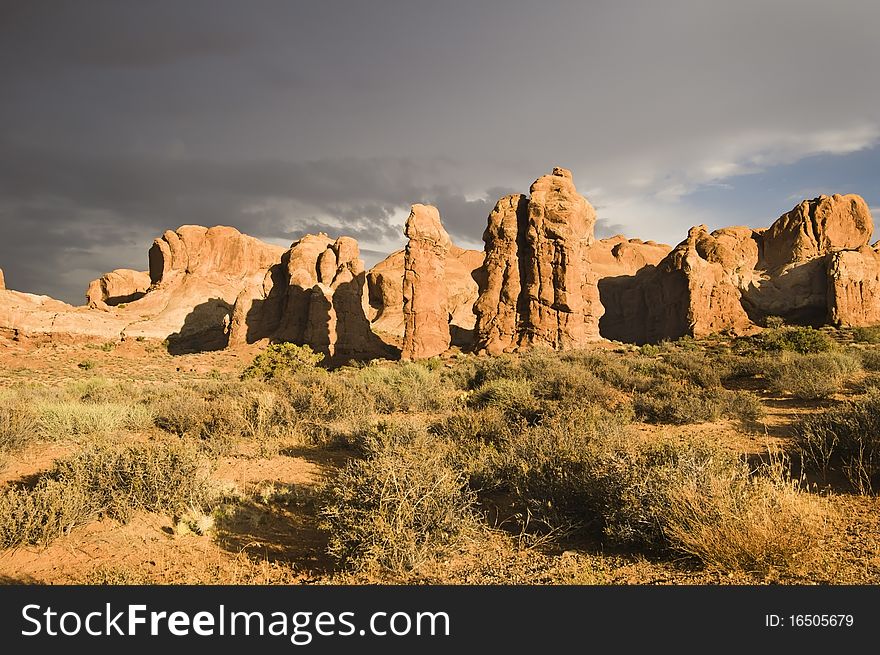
19 423
738 520
812 377
101 481
73 418
399 506
845 438
221 414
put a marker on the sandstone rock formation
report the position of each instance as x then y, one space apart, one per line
561 306
543 280
315 296
854 287
196 273
425 296
541 287
811 266
689 292
2 281
117 287
462 271
498 307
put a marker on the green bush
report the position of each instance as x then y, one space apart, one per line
512 396
803 340
402 387
680 404
397 508
282 359
845 438
812 377
867 334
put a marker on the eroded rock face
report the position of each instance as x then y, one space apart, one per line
2 280
314 297
688 292
561 307
815 228
462 271
498 306
811 266
196 273
541 288
854 287
425 295
116 287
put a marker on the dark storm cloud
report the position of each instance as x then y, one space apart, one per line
120 119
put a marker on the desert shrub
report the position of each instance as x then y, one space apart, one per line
680 404
695 367
98 389
666 497
514 397
803 340
181 411
38 516
282 359
119 481
550 468
398 507
568 383
869 383
738 367
100 481
844 438
72 418
321 396
812 377
487 425
402 387
221 414
869 357
869 334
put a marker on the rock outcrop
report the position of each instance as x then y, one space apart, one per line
500 303
854 287
315 296
462 271
2 281
543 280
117 287
541 288
425 296
690 291
196 273
812 266
561 307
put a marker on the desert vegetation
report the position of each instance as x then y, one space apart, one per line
713 460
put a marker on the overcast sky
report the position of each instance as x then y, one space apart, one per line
119 120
